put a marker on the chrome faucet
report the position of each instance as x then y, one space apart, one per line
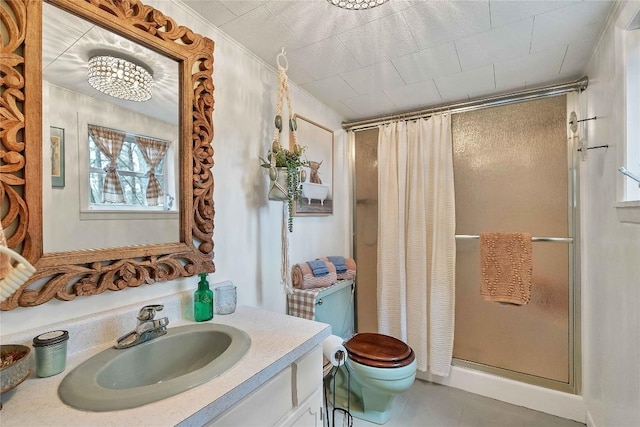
147 329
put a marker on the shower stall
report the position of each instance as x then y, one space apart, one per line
513 172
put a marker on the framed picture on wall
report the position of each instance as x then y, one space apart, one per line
57 156
317 188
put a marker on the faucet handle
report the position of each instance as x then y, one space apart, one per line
149 311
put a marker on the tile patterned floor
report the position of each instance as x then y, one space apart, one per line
432 405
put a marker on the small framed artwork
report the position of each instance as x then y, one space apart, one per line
57 156
317 188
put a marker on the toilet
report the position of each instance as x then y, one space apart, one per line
377 368
380 367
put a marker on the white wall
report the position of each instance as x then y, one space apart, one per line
247 225
610 251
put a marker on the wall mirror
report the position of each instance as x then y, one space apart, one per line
53 160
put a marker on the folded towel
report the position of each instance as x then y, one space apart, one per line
506 264
350 272
302 277
319 268
302 303
338 261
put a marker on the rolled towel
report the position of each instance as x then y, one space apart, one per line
297 274
351 264
339 262
350 273
318 267
302 277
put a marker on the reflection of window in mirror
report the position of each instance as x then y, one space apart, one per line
126 171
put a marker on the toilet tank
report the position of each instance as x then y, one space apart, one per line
335 306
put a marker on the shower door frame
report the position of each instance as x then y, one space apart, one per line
574 383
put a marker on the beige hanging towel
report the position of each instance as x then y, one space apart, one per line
506 267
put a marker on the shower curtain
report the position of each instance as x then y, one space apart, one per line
416 238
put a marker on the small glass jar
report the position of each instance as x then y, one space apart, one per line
51 353
225 299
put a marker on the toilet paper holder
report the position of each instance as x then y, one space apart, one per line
346 412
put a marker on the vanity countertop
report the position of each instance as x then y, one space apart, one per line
277 340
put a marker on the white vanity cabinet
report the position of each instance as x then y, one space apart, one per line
293 397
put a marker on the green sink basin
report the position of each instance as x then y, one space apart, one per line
185 357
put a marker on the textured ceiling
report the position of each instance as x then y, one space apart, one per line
405 55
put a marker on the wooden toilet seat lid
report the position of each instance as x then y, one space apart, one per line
378 350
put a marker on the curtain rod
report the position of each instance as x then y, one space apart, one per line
492 101
127 133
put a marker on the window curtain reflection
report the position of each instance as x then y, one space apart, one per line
153 152
109 142
416 238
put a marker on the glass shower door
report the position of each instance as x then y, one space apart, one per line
512 174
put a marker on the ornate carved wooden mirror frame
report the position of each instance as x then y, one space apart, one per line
65 275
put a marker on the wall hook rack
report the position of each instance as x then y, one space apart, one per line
573 121
593 148
590 118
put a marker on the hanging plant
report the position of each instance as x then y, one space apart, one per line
284 165
285 173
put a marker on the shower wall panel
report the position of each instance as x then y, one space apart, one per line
511 175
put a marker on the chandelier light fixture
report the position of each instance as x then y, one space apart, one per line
357 4
120 78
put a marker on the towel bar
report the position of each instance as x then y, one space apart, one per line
533 239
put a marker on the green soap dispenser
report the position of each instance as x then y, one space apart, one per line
203 300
